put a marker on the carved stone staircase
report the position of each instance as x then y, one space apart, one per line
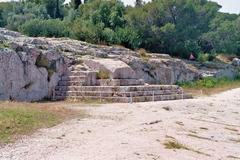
83 85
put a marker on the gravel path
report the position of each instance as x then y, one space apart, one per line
208 127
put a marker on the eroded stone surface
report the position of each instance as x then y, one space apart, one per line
236 62
26 72
115 68
161 70
32 67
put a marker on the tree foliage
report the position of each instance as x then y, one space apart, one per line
75 3
46 28
176 27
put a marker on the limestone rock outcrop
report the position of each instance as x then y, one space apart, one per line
165 70
26 76
31 68
26 72
236 62
215 69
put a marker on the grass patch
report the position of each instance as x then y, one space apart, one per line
18 119
233 157
209 86
235 140
224 58
103 75
203 128
4 44
204 57
45 63
144 55
174 144
167 108
231 129
179 123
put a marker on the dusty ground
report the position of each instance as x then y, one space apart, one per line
208 127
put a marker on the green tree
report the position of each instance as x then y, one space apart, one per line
86 31
185 19
226 37
98 21
75 3
23 12
138 3
128 37
53 7
5 9
176 27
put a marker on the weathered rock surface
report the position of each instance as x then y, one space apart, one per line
236 62
30 68
26 72
24 77
161 70
215 69
115 68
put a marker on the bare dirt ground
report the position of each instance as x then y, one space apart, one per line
208 128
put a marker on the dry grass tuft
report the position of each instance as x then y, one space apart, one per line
174 144
235 140
143 54
231 129
233 157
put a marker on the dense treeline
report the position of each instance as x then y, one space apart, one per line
176 27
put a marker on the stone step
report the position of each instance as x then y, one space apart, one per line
115 94
129 99
119 88
79 73
65 84
161 97
120 82
73 78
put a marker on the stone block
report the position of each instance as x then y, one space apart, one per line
116 68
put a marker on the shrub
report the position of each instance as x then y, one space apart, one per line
203 57
46 28
173 144
16 20
238 76
109 36
4 44
128 37
209 82
103 75
212 57
143 54
45 63
86 31
189 46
